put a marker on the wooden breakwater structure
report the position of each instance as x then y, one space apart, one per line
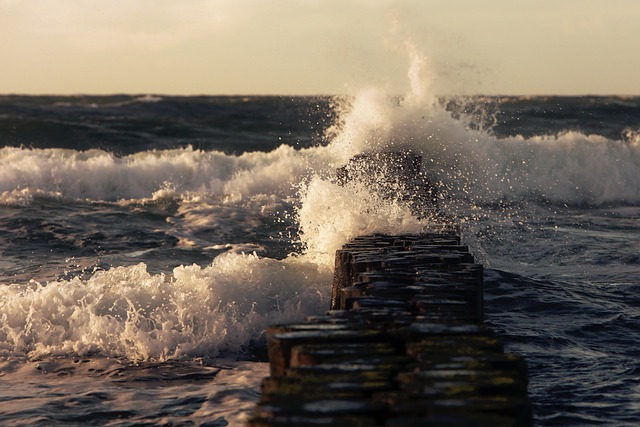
403 344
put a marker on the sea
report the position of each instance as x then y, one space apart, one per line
146 242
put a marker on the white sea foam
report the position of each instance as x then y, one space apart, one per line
331 215
566 168
476 166
223 306
98 175
128 312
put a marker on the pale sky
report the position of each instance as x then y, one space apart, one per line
528 47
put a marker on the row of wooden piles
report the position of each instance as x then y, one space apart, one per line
403 344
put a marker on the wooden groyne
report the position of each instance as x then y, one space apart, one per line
403 344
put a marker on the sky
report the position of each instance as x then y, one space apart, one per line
304 47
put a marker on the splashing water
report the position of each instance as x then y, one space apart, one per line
221 307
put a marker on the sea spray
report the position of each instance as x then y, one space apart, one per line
474 166
207 202
331 215
127 312
196 310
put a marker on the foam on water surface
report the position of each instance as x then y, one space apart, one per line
168 250
196 310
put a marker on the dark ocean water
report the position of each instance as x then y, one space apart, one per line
146 241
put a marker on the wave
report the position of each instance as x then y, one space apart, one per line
472 163
567 168
99 175
128 312
224 306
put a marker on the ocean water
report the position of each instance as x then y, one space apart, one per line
147 241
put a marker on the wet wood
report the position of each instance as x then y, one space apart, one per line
403 342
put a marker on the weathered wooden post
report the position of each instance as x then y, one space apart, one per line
404 341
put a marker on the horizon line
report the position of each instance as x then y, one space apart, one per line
311 95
